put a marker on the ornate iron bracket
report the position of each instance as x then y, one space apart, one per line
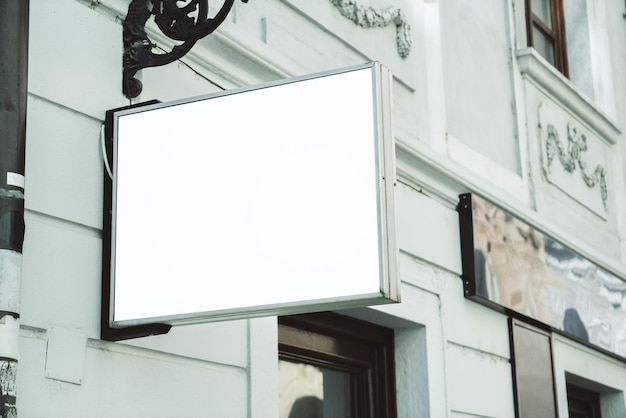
185 21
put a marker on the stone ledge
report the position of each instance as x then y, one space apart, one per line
536 69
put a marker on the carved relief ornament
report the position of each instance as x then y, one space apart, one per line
368 17
575 156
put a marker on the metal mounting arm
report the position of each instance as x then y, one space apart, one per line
186 21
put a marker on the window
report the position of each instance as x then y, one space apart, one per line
582 403
573 39
331 365
546 31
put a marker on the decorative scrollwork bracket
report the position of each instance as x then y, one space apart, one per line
186 21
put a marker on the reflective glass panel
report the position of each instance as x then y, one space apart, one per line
543 45
307 391
541 9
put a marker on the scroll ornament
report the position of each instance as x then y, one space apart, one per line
574 157
368 17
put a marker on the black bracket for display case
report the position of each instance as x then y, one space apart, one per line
185 22
106 332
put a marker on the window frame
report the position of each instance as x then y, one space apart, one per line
556 35
583 401
362 349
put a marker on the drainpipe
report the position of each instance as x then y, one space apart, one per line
13 94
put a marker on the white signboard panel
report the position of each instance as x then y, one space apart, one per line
267 200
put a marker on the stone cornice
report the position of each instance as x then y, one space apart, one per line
426 170
536 69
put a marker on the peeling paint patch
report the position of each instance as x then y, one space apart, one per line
17 194
9 336
15 179
8 371
11 219
10 273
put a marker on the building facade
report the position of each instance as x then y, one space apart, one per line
516 102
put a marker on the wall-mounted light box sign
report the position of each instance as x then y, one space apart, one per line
508 264
267 200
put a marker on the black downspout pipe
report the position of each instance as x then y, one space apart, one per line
13 97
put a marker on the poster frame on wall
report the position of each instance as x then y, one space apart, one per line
515 268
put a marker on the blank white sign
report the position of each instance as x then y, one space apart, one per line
268 200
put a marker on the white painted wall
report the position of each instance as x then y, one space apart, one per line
478 79
463 123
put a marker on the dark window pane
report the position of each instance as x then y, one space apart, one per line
582 403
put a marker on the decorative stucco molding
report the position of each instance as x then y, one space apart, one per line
574 157
368 17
